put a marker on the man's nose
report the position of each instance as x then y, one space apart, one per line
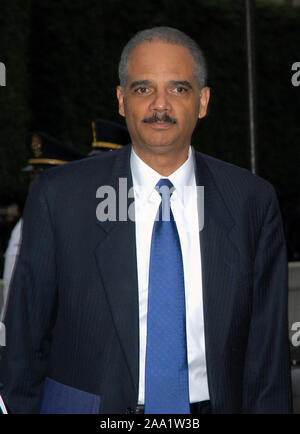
160 101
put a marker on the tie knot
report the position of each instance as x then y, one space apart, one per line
165 188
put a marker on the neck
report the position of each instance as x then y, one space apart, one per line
164 164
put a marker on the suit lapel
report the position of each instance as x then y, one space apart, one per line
219 257
116 259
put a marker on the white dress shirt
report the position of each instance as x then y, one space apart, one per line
11 255
184 208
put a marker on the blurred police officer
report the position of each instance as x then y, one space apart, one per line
108 136
45 152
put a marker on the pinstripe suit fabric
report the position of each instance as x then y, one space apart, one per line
72 315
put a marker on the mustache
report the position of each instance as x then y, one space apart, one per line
163 118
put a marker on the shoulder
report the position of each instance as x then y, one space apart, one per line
74 185
81 170
247 197
81 175
233 179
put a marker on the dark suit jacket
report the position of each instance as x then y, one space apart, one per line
72 320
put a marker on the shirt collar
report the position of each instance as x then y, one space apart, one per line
145 178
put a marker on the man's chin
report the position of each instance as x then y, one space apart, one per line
160 147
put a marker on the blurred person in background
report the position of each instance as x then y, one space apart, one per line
45 152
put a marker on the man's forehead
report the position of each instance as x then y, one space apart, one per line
159 57
145 50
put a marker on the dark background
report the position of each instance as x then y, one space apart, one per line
61 60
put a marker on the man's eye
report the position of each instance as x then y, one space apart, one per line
180 89
142 90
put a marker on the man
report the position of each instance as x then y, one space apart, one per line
45 152
141 314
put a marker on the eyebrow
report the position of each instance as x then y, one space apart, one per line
173 82
181 83
139 83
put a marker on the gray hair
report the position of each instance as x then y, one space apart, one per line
170 36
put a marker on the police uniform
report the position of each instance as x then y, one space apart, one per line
45 152
108 136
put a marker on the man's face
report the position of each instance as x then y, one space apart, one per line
161 100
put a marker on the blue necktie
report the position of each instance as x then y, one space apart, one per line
166 378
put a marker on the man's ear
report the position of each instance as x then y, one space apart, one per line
120 97
204 100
